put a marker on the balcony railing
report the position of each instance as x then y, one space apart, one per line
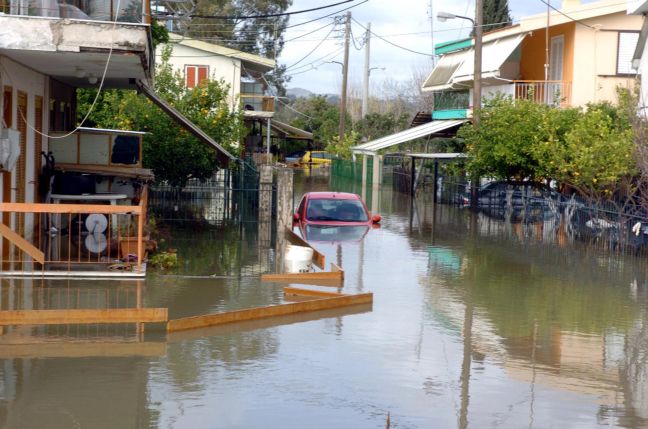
551 92
64 239
257 102
97 10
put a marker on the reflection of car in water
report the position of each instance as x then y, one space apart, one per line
333 216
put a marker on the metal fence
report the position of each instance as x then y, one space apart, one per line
229 195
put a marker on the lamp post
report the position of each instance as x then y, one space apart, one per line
477 30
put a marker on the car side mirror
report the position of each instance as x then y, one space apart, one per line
296 217
375 219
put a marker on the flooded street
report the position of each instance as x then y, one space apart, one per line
474 323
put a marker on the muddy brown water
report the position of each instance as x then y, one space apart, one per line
475 323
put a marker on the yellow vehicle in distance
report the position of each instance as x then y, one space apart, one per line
316 158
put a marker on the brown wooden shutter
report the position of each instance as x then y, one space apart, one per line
202 73
190 75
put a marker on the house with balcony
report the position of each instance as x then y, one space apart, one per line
570 57
573 56
73 199
243 72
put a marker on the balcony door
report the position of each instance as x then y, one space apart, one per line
556 60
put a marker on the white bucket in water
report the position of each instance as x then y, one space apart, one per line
298 259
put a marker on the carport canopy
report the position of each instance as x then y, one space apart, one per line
372 147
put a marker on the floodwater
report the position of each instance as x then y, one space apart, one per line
475 323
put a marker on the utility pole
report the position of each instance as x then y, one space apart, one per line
367 70
479 19
345 74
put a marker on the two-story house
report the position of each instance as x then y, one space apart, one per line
569 57
73 198
243 72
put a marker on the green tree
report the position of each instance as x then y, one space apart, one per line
376 125
496 12
318 117
173 153
501 147
342 149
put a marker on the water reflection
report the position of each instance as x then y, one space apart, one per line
476 322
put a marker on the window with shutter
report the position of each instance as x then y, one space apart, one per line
626 47
195 74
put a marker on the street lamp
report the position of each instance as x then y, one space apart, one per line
477 31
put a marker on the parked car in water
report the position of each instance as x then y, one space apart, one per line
333 216
294 158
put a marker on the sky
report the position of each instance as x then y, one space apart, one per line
403 22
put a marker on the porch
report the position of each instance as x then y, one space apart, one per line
75 239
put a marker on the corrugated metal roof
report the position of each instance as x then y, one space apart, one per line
404 136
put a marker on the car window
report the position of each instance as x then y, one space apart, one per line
336 210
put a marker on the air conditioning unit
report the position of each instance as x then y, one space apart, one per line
9 148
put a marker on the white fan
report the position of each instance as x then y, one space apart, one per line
96 243
96 223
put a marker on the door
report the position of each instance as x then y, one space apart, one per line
7 119
554 89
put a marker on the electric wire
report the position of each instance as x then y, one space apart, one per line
270 15
313 50
391 43
567 16
326 16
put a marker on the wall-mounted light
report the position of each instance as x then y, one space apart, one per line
78 72
92 79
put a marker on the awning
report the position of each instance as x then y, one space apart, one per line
494 54
182 120
441 76
289 131
370 148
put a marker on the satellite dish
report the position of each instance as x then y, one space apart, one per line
96 223
96 243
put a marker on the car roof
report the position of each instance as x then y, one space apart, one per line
331 195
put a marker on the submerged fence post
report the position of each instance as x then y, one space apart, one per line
284 212
265 206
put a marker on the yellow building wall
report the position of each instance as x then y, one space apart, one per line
534 50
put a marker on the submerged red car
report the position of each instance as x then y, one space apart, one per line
333 216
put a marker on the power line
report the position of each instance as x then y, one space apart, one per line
566 16
270 15
391 43
310 32
326 16
313 50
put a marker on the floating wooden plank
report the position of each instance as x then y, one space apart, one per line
249 325
318 258
265 312
22 244
303 277
310 292
85 316
81 349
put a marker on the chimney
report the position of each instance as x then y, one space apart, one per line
570 4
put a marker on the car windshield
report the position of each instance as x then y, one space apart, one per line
336 210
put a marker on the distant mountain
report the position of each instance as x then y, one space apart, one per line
293 93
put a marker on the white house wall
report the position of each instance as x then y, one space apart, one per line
595 53
220 67
23 79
